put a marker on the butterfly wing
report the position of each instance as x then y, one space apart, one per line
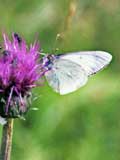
90 61
69 72
66 76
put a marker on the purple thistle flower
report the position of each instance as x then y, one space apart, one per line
20 70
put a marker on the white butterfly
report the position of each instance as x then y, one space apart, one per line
68 72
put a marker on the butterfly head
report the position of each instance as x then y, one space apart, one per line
48 61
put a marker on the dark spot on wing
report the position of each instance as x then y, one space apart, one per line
99 57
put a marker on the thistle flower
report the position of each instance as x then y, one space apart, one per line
20 70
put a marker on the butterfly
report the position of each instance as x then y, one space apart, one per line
68 72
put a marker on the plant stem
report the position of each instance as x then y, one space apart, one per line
67 23
71 13
6 142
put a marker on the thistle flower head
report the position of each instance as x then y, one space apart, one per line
20 71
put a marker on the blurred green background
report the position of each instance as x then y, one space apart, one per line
84 125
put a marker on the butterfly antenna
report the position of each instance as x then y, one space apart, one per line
58 38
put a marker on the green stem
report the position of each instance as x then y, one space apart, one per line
6 142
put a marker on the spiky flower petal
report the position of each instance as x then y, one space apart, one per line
20 70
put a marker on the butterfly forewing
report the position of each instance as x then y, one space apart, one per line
66 76
90 61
